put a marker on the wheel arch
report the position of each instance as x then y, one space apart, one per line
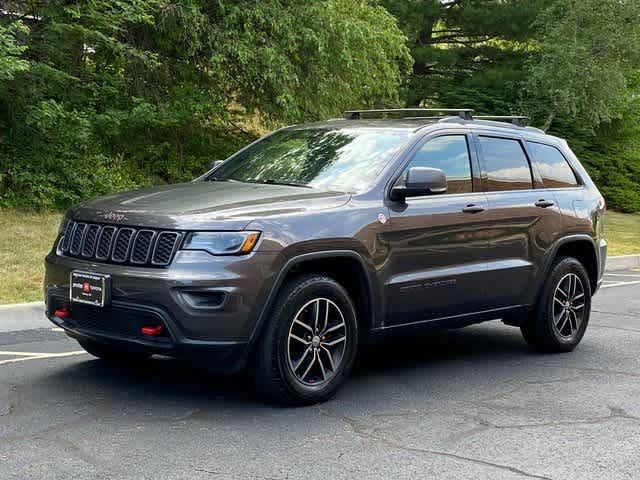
582 248
356 277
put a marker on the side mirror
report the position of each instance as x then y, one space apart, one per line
418 182
215 163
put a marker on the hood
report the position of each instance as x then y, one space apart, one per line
204 205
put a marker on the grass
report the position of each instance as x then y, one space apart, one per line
26 237
623 233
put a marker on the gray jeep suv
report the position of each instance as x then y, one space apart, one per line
293 253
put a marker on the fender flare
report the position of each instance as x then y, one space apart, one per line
581 237
292 262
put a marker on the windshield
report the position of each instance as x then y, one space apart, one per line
346 160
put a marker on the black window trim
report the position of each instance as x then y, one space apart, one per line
579 182
411 152
536 181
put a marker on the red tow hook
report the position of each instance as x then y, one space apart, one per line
153 331
63 312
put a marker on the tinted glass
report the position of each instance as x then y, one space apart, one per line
451 155
335 159
506 163
553 167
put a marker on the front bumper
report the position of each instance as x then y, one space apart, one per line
207 305
219 356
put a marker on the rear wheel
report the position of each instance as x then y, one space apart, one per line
111 354
310 343
562 314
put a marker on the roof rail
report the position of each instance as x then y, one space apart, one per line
514 119
464 113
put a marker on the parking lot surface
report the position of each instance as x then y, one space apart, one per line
469 403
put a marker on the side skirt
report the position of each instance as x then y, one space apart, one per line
455 321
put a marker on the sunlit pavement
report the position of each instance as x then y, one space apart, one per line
470 403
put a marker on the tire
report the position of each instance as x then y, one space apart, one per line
561 316
282 360
111 354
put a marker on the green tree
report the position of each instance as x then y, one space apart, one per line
467 53
120 93
585 61
10 51
571 65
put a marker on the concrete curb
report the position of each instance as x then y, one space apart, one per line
23 316
622 262
9 306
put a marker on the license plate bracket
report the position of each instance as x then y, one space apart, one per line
90 288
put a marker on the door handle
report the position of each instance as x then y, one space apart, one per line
544 203
473 209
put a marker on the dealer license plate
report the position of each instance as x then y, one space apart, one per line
90 288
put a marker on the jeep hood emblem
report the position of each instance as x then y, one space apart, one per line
115 217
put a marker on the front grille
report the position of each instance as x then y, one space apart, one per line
89 247
142 246
112 244
104 243
122 245
165 246
76 238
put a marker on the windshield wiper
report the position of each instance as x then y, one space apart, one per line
270 181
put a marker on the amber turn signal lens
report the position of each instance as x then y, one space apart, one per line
249 242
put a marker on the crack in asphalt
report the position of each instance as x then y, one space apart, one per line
616 413
41 434
234 475
363 431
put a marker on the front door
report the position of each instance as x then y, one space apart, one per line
437 243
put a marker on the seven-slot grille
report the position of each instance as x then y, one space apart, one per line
108 243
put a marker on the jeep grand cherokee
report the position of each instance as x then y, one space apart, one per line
292 253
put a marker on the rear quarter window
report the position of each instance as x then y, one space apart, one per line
552 165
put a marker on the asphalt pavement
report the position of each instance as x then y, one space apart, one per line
471 403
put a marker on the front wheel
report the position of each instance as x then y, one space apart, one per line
562 314
310 342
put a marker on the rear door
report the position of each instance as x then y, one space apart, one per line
523 219
437 242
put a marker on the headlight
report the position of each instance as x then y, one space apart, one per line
222 243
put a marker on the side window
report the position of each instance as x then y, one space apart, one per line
553 167
506 163
450 154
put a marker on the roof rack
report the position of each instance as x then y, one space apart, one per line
455 115
464 113
514 119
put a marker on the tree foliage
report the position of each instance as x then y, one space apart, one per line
109 94
11 51
571 65
585 60
100 95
